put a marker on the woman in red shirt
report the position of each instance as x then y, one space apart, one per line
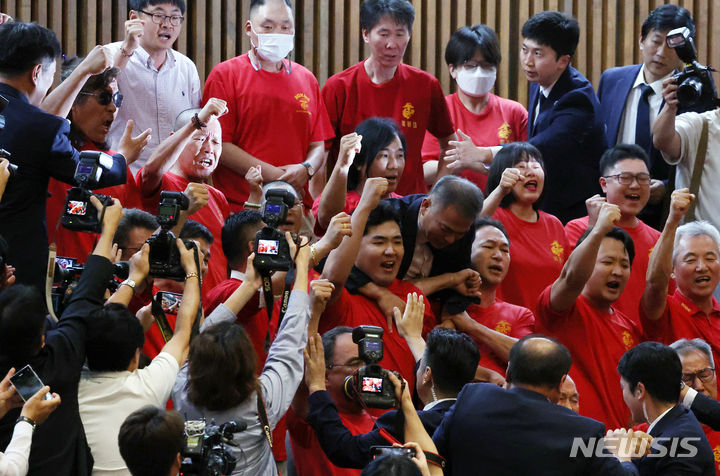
539 246
376 149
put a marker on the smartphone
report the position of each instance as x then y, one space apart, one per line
376 451
27 383
170 301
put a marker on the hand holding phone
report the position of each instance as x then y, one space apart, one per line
27 383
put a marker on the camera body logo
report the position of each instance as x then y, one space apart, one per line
674 447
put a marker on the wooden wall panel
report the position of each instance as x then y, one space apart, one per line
328 37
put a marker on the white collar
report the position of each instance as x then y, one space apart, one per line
546 91
235 274
652 425
435 402
655 85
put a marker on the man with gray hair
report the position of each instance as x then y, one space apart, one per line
689 253
437 234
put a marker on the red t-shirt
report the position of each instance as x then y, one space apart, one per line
352 198
683 319
253 318
212 216
74 244
271 116
596 341
502 121
413 97
509 319
538 251
310 459
644 238
354 310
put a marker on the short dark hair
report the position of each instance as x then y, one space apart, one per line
330 338
554 29
484 221
384 212
667 17
239 230
24 46
391 464
222 365
196 230
372 11
377 133
466 41
138 5
118 335
534 362
509 156
453 358
461 193
22 323
621 152
657 366
616 233
258 3
150 439
133 218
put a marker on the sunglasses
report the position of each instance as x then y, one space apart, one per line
105 97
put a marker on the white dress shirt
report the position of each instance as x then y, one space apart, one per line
626 133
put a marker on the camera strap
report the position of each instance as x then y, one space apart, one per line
262 413
270 299
697 171
49 278
160 318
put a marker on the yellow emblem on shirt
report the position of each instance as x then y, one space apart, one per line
628 340
504 133
557 250
716 453
408 110
503 327
304 102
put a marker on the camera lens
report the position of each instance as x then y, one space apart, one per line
690 91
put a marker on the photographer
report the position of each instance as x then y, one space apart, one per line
114 386
219 381
151 440
38 142
14 462
56 356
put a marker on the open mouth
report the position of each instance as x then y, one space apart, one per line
531 185
614 285
205 163
495 268
633 197
164 36
388 265
702 279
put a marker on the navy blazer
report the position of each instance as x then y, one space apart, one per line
707 410
678 423
41 149
353 451
571 137
492 431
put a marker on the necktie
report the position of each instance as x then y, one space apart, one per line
541 100
643 138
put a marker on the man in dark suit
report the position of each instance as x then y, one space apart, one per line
448 363
522 430
563 115
437 232
39 145
631 96
650 374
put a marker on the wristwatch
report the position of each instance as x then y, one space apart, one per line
310 169
26 420
129 282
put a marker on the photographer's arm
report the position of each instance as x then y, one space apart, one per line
4 175
139 270
179 344
166 154
665 137
341 260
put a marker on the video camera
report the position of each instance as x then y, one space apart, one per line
4 154
67 274
371 383
272 252
164 254
695 85
205 453
79 214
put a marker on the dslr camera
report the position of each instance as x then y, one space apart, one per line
79 214
371 383
695 85
67 274
164 254
272 252
4 154
205 453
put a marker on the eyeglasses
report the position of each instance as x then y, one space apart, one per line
105 97
705 375
626 178
159 18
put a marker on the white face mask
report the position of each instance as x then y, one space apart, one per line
477 81
273 46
